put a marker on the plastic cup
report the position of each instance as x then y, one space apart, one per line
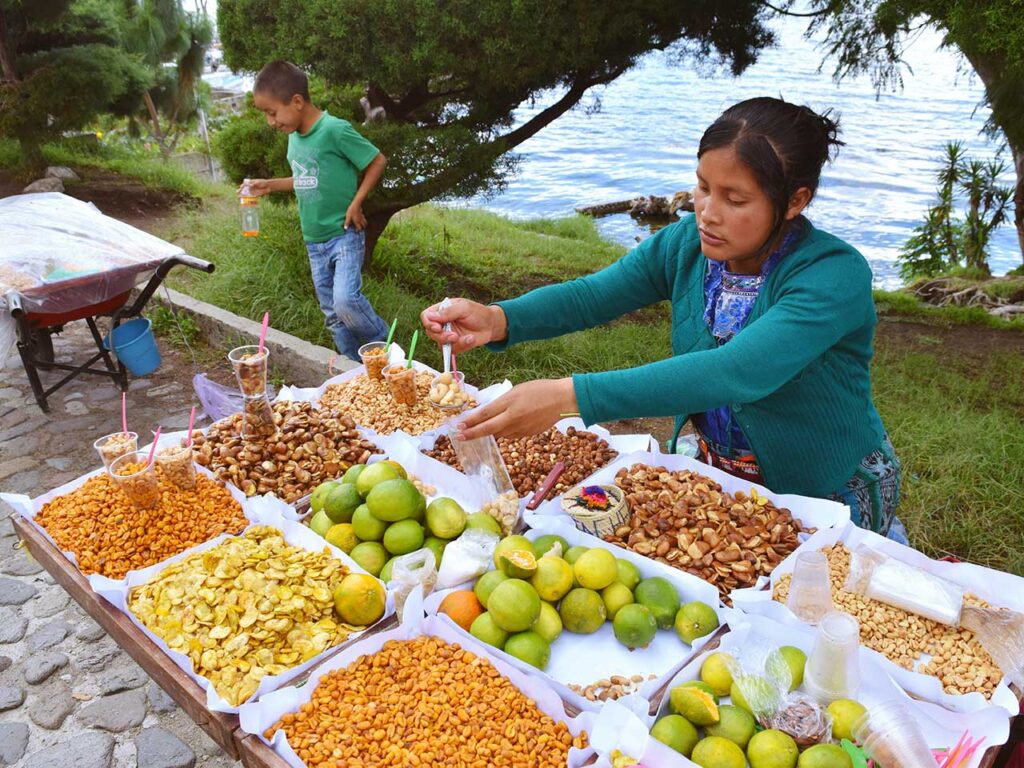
257 418
137 479
250 369
833 668
810 590
402 382
375 357
115 445
890 735
174 457
458 378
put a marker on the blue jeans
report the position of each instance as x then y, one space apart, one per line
337 267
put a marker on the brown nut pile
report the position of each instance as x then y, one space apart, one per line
684 519
530 459
423 702
250 607
613 687
109 536
957 658
311 446
370 403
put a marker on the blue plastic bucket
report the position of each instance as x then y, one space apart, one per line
135 346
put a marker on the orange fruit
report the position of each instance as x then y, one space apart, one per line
462 607
360 599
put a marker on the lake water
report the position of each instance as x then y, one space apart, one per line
644 141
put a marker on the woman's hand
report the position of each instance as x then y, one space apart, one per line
527 410
473 324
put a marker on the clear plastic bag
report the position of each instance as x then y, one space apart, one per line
415 569
1001 633
801 717
761 675
482 462
904 586
467 557
219 401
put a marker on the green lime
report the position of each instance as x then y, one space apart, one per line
341 502
394 500
628 574
370 555
374 474
403 537
514 605
320 523
529 647
661 597
446 519
634 625
486 584
677 732
352 474
484 522
484 629
319 495
542 545
366 526
436 546
582 611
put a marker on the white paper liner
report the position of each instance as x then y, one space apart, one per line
585 659
941 727
257 716
29 508
266 512
1000 589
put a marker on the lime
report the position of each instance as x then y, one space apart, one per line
518 563
529 647
319 495
486 584
510 543
370 555
572 554
628 574
394 500
695 701
342 536
553 578
716 752
341 502
786 664
734 724
514 605
385 572
616 596
483 521
352 474
661 597
403 537
398 468
484 629
772 749
366 526
359 599
825 756
695 620
716 671
676 732
845 713
436 546
755 694
320 523
595 569
548 624
542 545
634 625
582 611
373 474
445 518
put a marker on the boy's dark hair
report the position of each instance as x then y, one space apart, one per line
784 144
282 80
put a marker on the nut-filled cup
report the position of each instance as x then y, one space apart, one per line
448 393
137 479
250 367
174 457
375 358
402 382
114 446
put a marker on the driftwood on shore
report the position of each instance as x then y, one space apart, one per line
944 292
646 206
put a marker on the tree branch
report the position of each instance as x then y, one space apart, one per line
784 12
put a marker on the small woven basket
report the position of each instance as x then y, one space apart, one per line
598 522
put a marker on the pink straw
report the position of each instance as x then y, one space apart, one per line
263 331
191 423
152 451
455 368
124 412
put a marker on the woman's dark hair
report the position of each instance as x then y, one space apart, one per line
785 146
282 80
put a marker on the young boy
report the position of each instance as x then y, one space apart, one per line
326 155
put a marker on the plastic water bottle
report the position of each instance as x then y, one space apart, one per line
250 211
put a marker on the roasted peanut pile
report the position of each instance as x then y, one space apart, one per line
530 459
370 403
110 537
423 702
957 658
613 687
686 520
250 607
311 446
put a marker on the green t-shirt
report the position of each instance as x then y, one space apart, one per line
326 163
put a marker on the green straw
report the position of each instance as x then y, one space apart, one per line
412 347
391 333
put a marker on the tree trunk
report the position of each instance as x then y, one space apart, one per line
375 224
33 162
1018 194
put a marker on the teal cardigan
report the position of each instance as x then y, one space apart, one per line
797 375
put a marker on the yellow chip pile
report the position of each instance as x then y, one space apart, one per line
250 607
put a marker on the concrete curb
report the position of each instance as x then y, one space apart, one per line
304 364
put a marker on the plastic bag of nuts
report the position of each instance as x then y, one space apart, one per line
686 520
311 446
481 461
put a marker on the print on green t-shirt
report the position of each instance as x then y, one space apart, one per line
326 163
